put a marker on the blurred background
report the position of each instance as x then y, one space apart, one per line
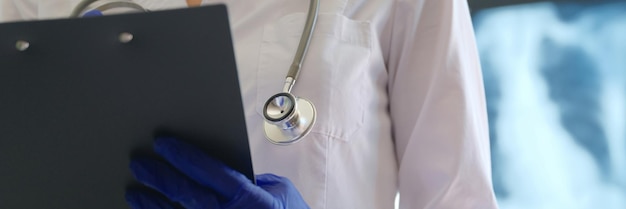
555 78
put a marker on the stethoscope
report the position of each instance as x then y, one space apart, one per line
287 118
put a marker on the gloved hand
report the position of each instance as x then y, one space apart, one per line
199 181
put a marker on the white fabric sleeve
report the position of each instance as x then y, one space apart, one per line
438 108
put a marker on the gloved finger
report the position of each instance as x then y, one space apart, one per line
146 200
200 167
272 192
280 188
269 180
173 185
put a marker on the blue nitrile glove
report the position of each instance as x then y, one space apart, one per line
199 181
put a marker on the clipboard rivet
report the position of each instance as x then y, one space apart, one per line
126 37
22 45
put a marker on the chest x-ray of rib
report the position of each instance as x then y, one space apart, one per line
555 80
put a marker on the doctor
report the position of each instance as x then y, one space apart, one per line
399 98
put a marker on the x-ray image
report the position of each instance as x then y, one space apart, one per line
555 79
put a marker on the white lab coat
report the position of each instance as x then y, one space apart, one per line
398 90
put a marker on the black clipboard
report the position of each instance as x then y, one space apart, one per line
82 98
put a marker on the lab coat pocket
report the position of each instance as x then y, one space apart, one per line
332 73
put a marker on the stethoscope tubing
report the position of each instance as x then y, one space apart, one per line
303 46
296 65
281 130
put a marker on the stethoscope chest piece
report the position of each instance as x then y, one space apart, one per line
287 118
